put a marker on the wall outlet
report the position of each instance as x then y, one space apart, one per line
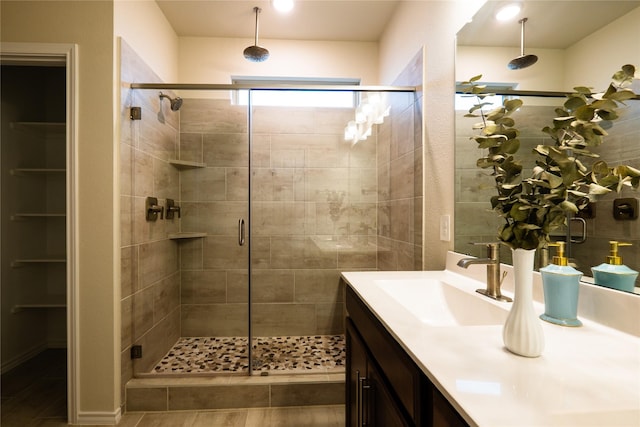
445 228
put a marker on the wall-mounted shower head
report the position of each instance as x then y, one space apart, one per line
176 102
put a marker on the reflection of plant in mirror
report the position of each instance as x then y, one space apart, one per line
567 175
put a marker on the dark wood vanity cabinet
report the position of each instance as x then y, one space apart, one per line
385 388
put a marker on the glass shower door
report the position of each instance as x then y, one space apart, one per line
313 214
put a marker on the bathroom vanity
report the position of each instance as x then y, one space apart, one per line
424 349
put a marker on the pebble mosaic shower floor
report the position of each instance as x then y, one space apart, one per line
229 354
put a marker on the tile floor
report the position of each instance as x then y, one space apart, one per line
34 395
229 354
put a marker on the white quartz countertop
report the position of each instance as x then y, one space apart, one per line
586 376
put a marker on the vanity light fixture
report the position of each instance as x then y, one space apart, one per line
508 12
283 6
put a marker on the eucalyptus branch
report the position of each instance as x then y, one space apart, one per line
567 175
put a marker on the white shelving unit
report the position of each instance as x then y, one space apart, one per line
37 195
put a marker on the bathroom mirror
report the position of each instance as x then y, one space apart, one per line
578 43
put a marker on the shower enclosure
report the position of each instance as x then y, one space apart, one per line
258 208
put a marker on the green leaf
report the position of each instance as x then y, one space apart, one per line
475 78
583 89
586 113
567 206
623 95
598 189
511 146
574 102
512 104
563 121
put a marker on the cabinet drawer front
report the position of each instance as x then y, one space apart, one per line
398 369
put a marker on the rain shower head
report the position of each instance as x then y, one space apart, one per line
256 53
176 102
522 61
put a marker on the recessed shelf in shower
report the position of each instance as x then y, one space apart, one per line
186 164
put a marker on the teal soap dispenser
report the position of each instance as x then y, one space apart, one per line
614 274
561 285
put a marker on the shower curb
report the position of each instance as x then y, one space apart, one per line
233 392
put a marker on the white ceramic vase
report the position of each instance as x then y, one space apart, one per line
522 332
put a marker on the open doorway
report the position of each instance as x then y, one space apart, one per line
37 245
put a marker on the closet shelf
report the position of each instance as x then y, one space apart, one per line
24 215
185 164
21 262
28 171
187 235
19 307
55 127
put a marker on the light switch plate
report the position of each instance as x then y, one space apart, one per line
445 228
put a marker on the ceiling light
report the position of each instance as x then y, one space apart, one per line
508 12
283 6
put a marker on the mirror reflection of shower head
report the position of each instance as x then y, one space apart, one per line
522 61
256 53
176 102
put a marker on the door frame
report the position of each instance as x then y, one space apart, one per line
33 54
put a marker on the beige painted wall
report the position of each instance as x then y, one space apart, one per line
90 25
214 60
145 28
595 58
547 74
432 24
589 62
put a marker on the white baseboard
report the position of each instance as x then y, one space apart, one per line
98 418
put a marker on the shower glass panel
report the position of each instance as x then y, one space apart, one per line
313 214
274 202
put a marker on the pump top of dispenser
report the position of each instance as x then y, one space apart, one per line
613 258
560 258
613 273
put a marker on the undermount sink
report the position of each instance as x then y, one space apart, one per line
438 303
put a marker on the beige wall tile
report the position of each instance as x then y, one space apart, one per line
218 397
202 185
318 286
307 394
147 399
203 287
210 320
283 319
191 147
226 149
330 318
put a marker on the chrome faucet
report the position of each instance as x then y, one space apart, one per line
493 271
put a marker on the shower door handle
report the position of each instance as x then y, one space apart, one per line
241 232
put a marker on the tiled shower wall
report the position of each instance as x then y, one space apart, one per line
150 276
399 171
313 212
475 222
